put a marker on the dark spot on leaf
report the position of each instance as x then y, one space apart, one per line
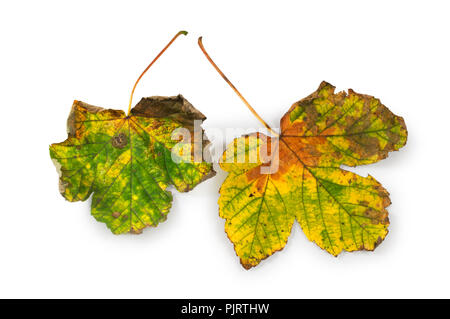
115 214
119 141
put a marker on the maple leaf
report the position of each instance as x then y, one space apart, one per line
127 161
297 176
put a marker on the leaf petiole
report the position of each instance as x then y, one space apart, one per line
148 67
235 89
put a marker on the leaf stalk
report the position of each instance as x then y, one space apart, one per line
200 44
151 63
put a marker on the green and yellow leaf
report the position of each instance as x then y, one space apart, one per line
127 163
273 181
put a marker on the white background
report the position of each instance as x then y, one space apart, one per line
53 52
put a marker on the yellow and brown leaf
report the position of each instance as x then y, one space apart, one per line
126 161
298 176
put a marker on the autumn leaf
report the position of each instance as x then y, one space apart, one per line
128 161
297 175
